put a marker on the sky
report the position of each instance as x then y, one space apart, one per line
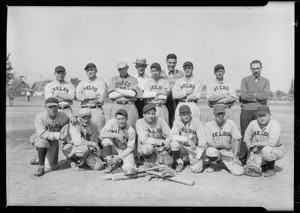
39 38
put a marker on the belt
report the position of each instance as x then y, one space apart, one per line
64 107
91 107
211 106
124 102
188 101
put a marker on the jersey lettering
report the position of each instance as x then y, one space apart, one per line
265 134
187 86
185 130
123 84
59 88
218 134
221 87
90 88
54 128
155 87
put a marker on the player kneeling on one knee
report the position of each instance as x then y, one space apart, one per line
188 138
153 137
82 146
223 139
262 138
118 141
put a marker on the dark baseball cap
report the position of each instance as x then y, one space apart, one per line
149 106
188 63
51 101
90 65
219 108
59 68
184 108
122 112
219 66
263 109
156 65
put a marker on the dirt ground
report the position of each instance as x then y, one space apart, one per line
66 187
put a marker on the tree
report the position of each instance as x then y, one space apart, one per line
279 94
9 73
75 81
292 89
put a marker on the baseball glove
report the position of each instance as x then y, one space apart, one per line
252 171
165 158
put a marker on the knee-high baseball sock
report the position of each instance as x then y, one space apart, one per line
42 154
177 156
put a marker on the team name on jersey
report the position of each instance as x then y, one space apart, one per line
218 134
183 129
59 88
53 128
187 86
221 87
266 134
90 88
123 84
156 130
155 87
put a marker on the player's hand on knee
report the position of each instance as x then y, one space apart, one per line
73 119
237 161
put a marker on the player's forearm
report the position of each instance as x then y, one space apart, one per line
115 95
108 134
200 152
213 144
179 94
193 97
179 138
128 93
215 97
149 94
126 152
49 135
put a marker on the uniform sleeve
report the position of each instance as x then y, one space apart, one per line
197 91
248 133
130 143
177 92
264 95
106 130
102 88
79 94
232 91
235 132
72 91
209 91
134 84
175 132
245 94
95 133
201 135
165 129
48 92
112 85
42 131
274 135
208 134
142 133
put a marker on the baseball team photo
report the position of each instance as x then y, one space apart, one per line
150 106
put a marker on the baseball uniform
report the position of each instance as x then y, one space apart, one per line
160 101
92 95
179 90
140 102
271 134
55 87
123 148
227 133
216 89
47 135
127 103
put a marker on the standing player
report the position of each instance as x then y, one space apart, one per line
141 65
255 91
154 138
63 91
188 91
91 93
48 126
171 74
262 138
11 96
220 92
123 90
156 91
118 139
223 139
81 145
188 138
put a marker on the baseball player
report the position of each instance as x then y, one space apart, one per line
154 137
171 74
220 92
118 139
48 126
123 90
141 65
255 91
81 146
11 96
62 90
262 138
223 139
188 91
156 91
91 93
188 138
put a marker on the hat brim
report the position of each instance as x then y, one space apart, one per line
51 104
185 111
140 63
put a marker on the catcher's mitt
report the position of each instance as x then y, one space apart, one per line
165 158
252 171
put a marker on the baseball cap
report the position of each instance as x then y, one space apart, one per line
188 63
219 108
147 149
51 101
218 66
140 61
184 108
122 112
59 68
121 64
156 65
263 109
149 106
84 111
90 65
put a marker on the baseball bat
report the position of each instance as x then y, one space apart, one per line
175 179
110 176
124 177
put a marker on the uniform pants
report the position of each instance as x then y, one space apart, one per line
228 114
185 150
131 110
171 106
140 103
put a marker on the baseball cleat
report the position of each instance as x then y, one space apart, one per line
34 162
179 167
269 173
40 171
210 169
109 168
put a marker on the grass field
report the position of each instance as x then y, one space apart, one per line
66 187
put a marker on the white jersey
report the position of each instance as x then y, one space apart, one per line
223 134
270 133
152 85
217 88
141 80
88 88
55 87
49 129
182 85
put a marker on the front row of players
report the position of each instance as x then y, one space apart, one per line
189 142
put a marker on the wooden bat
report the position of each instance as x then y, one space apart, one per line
124 177
110 176
175 179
